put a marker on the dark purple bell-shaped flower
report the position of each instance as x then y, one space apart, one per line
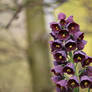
55 27
63 35
73 27
57 70
79 56
60 56
87 61
63 85
70 45
79 36
73 82
55 45
61 17
69 68
85 82
81 44
57 78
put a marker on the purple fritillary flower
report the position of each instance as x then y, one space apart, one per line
87 61
54 35
81 44
69 19
85 82
59 56
55 45
69 68
63 35
73 27
79 36
55 27
57 70
61 16
73 82
63 85
70 45
59 63
79 56
55 78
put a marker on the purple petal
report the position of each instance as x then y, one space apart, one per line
57 70
69 19
81 44
70 45
61 16
69 68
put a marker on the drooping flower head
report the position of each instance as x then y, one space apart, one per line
63 35
79 36
70 45
81 44
85 82
73 82
73 27
79 56
55 45
59 56
87 61
63 85
55 27
69 68
61 18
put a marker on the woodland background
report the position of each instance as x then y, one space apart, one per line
25 58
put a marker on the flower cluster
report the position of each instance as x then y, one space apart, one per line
71 65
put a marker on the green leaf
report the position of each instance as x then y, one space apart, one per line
70 54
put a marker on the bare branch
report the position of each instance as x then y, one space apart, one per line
28 4
14 16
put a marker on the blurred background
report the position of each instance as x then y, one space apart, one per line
25 58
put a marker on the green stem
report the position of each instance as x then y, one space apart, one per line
88 89
66 76
71 58
76 89
76 73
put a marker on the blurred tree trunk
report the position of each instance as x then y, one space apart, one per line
38 56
